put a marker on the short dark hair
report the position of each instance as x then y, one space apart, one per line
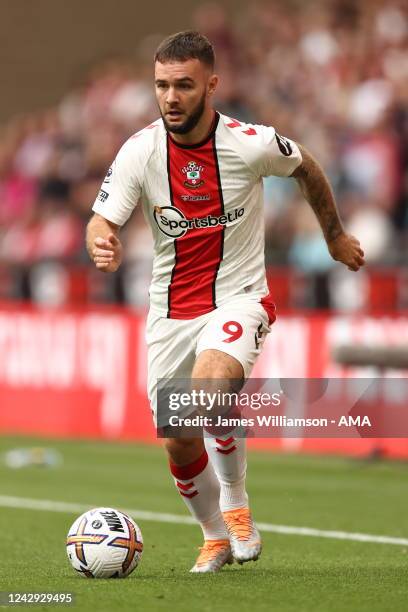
186 45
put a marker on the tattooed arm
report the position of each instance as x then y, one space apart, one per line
317 191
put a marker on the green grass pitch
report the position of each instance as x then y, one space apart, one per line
294 573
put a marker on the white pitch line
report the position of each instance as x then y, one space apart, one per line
47 505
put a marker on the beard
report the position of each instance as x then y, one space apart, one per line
190 123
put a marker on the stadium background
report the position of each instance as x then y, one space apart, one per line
77 83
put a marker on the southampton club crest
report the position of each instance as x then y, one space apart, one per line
192 172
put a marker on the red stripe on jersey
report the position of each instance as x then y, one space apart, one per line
234 123
198 253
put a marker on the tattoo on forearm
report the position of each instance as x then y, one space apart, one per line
317 191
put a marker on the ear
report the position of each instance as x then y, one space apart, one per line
212 84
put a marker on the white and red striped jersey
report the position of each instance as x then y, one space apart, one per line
204 203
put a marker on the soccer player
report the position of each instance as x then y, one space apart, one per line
198 176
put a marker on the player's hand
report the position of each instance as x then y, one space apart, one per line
346 249
107 253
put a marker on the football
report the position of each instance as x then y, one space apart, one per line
104 543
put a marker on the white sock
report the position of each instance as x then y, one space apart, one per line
198 485
228 457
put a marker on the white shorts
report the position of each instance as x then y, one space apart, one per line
238 328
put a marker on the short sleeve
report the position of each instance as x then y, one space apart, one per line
280 155
121 188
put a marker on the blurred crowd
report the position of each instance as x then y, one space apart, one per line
331 74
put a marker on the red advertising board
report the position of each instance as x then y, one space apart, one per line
83 373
